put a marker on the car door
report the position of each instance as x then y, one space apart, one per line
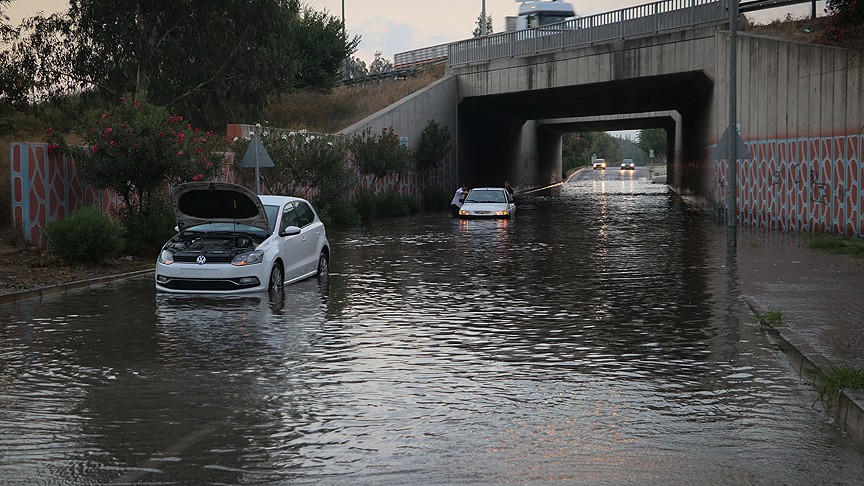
291 246
311 235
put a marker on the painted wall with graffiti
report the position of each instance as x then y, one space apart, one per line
48 186
800 113
809 184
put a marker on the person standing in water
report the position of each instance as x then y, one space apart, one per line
458 199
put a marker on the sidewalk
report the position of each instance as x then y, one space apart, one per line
820 298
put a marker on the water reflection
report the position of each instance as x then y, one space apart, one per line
593 338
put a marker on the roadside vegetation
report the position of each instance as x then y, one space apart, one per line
831 381
137 118
770 318
836 379
837 245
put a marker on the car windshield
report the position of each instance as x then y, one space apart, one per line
211 228
486 196
272 213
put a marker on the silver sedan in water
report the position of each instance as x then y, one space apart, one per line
488 202
231 240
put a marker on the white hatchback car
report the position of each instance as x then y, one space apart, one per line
488 202
232 240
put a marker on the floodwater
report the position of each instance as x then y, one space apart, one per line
592 339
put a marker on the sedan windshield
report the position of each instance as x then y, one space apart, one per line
486 196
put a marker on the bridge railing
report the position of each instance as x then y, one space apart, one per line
419 57
635 21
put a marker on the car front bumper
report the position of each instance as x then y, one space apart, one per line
211 278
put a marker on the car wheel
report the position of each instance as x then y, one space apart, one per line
277 278
323 266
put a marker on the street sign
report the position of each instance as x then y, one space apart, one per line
722 150
256 156
403 141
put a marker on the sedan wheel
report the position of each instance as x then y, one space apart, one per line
323 266
277 279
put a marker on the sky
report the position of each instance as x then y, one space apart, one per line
393 26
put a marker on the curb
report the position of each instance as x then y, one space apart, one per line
63 288
848 409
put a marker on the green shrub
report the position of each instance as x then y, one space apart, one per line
413 203
146 231
366 204
392 204
436 199
85 236
338 214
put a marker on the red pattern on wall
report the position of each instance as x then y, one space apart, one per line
810 184
49 186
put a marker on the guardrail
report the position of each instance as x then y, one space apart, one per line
419 57
620 24
635 21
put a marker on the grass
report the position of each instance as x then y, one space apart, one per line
339 108
837 245
836 379
771 318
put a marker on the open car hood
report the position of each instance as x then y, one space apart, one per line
217 202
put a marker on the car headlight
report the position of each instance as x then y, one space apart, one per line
251 258
166 257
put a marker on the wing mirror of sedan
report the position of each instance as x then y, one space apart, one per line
290 231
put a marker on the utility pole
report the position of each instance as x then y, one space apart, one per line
732 164
345 64
482 19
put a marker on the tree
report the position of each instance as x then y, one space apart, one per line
379 64
304 163
135 148
578 148
434 145
846 27
13 85
216 61
379 155
356 68
479 27
850 12
653 139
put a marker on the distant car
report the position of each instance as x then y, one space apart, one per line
488 202
628 164
598 164
231 240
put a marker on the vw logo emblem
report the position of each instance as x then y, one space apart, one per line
201 260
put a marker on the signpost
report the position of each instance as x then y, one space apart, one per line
256 156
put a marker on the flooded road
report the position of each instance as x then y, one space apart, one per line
595 338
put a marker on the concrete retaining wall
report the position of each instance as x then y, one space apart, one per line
408 117
800 112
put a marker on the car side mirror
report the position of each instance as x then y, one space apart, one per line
290 231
